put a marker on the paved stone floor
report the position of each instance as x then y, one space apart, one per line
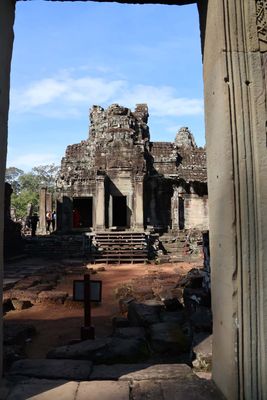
131 382
18 269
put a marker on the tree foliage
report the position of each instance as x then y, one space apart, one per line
26 186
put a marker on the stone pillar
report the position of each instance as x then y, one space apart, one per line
139 204
67 214
110 211
42 211
234 37
175 209
7 17
49 201
100 203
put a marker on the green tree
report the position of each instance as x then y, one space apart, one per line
20 202
27 185
12 176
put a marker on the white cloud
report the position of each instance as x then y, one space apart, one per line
162 101
63 96
29 160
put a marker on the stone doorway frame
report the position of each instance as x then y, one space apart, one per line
234 46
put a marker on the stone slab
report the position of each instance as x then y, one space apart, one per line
128 332
116 371
159 371
42 389
106 390
192 388
81 351
53 369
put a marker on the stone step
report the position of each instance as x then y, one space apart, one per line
53 369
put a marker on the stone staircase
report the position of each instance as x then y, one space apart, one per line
119 247
176 248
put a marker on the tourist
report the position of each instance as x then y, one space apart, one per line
48 220
54 217
34 222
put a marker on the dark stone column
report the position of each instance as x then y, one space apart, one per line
7 17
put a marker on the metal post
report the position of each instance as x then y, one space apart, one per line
87 331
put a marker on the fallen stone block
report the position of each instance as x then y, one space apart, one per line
53 369
158 371
173 316
128 332
120 322
168 337
172 304
144 314
54 297
119 351
116 371
85 350
202 319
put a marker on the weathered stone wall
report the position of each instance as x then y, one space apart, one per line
118 148
196 215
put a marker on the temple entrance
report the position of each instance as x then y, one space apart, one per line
181 213
82 212
119 211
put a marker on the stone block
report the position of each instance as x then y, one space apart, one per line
86 350
202 319
129 332
53 369
107 390
132 350
42 389
173 316
181 388
54 297
116 371
168 337
158 372
144 314
120 322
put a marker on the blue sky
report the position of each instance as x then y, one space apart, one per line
69 56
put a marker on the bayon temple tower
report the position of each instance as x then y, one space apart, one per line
118 179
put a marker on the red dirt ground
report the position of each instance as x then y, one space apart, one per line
58 324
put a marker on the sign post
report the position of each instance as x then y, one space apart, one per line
87 331
87 291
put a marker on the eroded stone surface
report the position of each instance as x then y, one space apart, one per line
53 369
105 390
168 337
42 389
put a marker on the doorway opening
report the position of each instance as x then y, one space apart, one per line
83 212
181 213
119 211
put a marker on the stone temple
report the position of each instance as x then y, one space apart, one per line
118 179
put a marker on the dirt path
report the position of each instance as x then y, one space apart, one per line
58 324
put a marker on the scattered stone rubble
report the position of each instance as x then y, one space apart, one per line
158 328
